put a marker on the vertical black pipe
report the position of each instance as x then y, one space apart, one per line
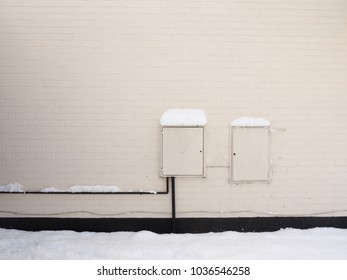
173 205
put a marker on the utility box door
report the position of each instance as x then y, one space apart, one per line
182 151
250 154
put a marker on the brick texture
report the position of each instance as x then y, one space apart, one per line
83 85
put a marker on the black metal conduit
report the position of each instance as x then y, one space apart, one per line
173 205
129 192
173 199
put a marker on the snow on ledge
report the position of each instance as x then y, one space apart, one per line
17 188
183 117
12 188
83 189
250 122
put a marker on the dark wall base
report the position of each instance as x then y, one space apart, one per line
183 225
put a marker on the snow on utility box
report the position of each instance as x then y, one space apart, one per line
182 146
250 150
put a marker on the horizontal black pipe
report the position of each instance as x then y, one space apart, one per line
108 193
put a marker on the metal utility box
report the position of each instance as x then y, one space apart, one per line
250 154
182 151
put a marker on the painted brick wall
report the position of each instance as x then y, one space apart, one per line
84 83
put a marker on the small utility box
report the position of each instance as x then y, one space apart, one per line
182 145
250 150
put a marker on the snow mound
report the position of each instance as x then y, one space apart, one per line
250 122
83 189
183 117
286 244
12 187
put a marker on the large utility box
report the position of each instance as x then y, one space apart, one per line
182 151
182 143
250 149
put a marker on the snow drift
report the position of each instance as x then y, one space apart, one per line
288 244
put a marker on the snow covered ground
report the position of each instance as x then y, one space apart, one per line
287 244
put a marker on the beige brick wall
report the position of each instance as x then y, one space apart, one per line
84 83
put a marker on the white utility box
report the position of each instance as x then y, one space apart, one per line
182 151
182 143
250 150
